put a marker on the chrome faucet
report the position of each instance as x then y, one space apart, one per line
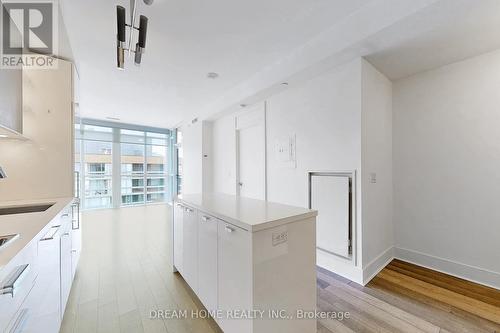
2 173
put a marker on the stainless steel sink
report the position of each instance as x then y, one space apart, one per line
24 209
5 240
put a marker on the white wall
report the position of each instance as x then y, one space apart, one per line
192 163
42 167
324 114
197 164
376 160
446 168
224 155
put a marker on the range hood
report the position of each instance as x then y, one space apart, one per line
11 104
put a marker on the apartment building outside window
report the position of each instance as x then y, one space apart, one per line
122 165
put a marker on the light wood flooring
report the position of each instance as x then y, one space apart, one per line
125 272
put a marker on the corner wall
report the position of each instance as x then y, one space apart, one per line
446 168
342 121
376 171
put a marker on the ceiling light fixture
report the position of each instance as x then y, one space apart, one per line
212 75
3 136
121 43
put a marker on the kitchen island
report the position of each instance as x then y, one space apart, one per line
250 262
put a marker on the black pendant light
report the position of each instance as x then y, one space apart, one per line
121 36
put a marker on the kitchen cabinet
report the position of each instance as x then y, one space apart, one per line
76 237
178 236
190 247
234 275
16 281
65 258
41 310
37 297
250 255
207 261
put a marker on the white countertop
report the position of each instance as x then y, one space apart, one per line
27 225
249 214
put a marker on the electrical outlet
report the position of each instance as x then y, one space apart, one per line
280 238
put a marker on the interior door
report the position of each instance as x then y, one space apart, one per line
330 196
251 155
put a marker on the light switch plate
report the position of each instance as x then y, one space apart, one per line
280 238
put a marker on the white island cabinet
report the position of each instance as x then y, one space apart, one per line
252 263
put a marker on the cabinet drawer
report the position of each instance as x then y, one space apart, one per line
16 280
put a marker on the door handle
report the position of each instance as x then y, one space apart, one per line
229 229
10 287
240 183
51 233
77 207
205 218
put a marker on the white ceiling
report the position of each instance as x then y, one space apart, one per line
446 32
186 40
254 45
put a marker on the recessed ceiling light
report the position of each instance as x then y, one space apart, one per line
212 75
3 136
112 118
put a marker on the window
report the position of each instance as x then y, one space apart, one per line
132 173
156 175
97 161
142 175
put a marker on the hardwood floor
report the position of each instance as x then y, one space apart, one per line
125 272
408 298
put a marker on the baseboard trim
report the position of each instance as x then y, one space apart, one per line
460 270
337 265
377 264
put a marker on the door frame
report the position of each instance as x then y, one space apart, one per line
255 116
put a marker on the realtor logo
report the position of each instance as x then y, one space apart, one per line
29 33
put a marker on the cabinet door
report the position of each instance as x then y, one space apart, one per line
178 227
40 311
207 261
190 248
234 275
76 238
65 265
16 281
